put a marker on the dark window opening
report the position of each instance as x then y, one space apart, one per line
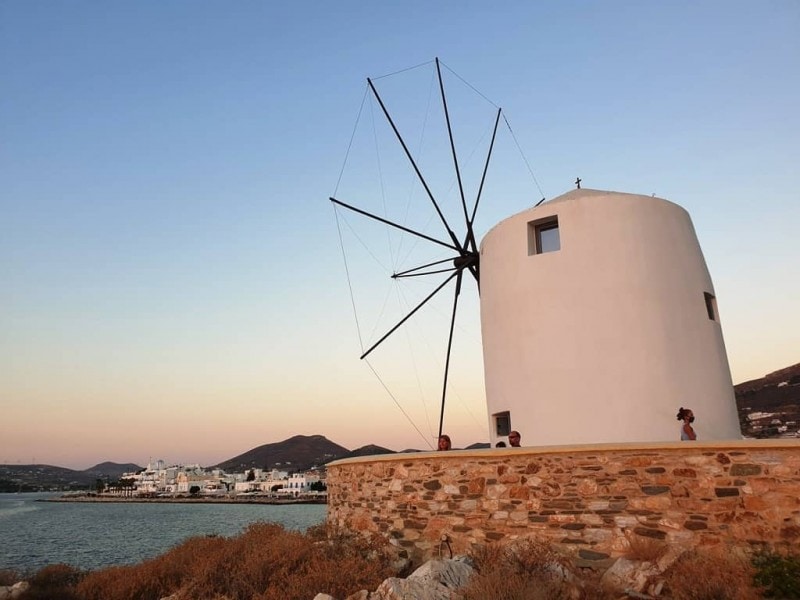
502 423
543 236
711 306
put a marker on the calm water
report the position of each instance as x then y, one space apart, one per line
92 535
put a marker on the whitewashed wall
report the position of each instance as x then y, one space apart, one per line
604 339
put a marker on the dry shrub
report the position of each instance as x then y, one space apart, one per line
321 532
266 562
645 549
714 574
158 577
524 570
53 582
9 577
593 587
340 566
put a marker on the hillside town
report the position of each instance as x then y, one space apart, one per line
158 480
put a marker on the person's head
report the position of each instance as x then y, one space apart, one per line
686 414
514 439
500 444
444 442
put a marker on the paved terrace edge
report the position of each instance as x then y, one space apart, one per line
782 443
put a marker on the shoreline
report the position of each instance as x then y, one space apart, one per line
187 500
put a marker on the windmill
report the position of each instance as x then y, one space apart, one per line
461 245
593 298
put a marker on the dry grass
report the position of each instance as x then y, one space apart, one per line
528 570
645 549
717 574
9 577
54 582
266 562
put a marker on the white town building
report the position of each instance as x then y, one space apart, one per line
299 483
599 321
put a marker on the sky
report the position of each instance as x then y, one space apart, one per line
172 273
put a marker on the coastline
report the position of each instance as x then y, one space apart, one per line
187 500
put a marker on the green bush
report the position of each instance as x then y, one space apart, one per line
777 574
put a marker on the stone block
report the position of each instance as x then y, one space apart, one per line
519 492
658 503
745 470
656 534
477 485
587 487
626 521
684 472
598 536
592 555
509 478
591 519
653 490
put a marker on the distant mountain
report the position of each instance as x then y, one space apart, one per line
30 478
368 450
112 470
770 407
298 453
478 446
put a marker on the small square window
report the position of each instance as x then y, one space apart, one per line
543 236
711 306
502 423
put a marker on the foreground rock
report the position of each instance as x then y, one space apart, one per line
437 579
10 592
441 579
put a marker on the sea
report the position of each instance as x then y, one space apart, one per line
92 535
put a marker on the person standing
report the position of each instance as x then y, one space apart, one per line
444 442
687 431
514 439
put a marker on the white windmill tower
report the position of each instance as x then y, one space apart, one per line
598 315
599 320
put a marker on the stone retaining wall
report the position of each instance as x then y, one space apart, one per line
587 498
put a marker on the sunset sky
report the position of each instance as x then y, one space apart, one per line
172 282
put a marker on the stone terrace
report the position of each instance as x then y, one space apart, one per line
589 499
